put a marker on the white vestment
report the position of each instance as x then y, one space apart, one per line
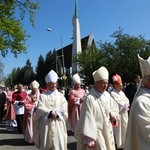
138 131
49 133
123 105
95 122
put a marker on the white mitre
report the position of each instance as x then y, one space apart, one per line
100 74
76 78
51 77
145 66
34 84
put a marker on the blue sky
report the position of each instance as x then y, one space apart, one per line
101 17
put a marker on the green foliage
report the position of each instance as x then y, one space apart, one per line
1 71
24 75
50 62
119 56
28 74
28 6
12 35
44 66
40 71
13 78
89 61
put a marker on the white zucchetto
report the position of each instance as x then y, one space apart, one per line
34 84
100 74
145 66
51 77
76 78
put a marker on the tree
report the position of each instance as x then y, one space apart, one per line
89 61
50 62
24 75
12 35
14 77
1 70
40 71
28 73
119 56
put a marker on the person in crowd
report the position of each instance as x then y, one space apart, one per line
123 105
98 116
110 87
30 107
124 86
2 104
10 116
51 114
75 101
90 87
62 90
131 88
138 131
18 99
68 89
43 90
86 89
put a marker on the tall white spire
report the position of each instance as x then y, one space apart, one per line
76 48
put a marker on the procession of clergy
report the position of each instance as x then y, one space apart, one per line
100 119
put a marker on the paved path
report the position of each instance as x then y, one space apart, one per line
11 140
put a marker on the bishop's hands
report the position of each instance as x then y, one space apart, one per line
89 142
113 120
52 114
56 114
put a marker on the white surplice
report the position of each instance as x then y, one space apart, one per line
123 105
138 131
51 134
95 122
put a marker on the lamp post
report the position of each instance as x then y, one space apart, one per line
57 62
60 35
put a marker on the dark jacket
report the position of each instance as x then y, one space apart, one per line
2 99
130 91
